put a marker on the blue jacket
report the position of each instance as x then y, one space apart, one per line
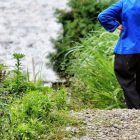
127 13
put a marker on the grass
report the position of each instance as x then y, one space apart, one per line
93 83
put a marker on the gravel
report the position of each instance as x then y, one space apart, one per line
116 124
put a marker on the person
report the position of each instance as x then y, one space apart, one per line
124 15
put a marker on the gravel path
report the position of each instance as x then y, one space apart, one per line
116 124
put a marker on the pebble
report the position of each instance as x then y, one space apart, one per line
115 124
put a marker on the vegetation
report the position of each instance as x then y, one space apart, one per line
93 83
29 110
77 24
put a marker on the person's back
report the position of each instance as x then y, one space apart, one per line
127 13
125 16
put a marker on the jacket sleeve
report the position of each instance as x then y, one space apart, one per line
110 17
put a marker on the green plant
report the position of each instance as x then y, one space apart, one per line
35 116
91 65
17 71
27 116
16 81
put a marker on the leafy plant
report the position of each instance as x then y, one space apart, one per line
17 72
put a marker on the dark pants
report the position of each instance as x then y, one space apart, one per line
127 71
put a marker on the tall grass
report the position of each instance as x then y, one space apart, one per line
93 83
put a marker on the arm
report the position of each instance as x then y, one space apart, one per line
110 17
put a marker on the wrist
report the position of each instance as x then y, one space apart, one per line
120 27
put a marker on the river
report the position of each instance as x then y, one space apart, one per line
28 27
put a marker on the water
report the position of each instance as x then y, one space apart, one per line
28 27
